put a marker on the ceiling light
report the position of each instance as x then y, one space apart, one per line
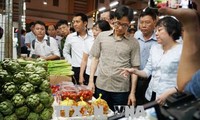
132 22
102 9
112 4
160 17
24 6
135 12
45 2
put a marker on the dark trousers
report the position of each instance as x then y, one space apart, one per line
142 85
28 53
113 98
75 78
24 50
153 97
87 81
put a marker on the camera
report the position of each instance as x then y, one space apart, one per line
155 4
180 106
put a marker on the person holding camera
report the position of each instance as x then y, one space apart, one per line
188 78
163 61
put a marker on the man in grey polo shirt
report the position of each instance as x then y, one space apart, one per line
111 51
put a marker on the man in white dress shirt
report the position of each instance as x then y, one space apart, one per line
44 46
74 44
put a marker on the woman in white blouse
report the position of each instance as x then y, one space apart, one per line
163 61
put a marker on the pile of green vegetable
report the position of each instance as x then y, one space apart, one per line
25 92
60 68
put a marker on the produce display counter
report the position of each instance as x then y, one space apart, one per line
70 95
34 89
89 117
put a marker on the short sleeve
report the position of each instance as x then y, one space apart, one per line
96 47
148 67
86 48
54 47
135 54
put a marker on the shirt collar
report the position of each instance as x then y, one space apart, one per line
45 38
112 34
88 32
140 36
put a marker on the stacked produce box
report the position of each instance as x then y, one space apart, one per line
25 92
59 71
78 95
60 68
74 92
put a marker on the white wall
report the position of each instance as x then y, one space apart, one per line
2 40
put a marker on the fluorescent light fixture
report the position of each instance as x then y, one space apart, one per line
132 22
113 9
24 6
160 17
112 4
102 9
144 9
135 12
45 2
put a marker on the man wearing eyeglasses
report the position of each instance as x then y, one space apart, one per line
111 51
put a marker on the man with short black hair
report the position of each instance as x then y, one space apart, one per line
111 51
43 46
74 45
62 26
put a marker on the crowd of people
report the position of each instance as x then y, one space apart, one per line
127 68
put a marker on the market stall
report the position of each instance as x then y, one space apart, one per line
25 90
70 99
32 89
